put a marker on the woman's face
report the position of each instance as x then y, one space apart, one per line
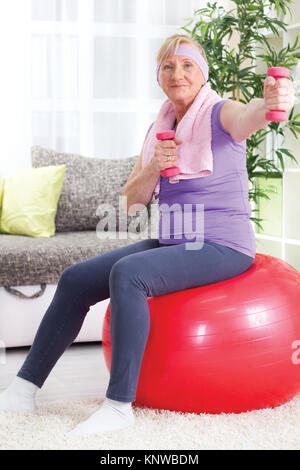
180 78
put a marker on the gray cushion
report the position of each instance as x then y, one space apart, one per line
30 260
88 183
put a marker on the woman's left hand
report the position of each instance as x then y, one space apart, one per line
279 94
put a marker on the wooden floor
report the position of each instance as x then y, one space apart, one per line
80 373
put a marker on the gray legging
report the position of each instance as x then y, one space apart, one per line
126 275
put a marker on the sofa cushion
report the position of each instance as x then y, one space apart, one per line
31 261
90 182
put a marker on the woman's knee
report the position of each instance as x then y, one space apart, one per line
69 277
124 271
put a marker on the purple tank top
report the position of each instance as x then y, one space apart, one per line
222 198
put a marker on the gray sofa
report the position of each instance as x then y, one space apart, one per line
89 221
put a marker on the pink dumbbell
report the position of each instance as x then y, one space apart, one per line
277 115
173 170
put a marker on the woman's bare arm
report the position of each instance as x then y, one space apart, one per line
241 120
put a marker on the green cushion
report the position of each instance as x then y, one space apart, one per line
30 201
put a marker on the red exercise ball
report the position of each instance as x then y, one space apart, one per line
231 346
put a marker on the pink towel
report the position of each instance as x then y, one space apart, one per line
194 155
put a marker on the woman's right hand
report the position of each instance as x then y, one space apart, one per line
162 149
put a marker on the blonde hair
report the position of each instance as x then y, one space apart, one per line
171 44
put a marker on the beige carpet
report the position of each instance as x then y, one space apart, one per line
277 428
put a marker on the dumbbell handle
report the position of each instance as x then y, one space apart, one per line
277 115
173 170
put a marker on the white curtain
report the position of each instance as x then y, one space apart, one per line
79 75
15 105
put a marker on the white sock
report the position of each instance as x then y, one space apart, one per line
19 396
112 415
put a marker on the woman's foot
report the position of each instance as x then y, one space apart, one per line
111 416
19 396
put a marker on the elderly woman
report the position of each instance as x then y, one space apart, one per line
210 152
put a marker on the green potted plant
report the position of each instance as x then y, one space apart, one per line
232 73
